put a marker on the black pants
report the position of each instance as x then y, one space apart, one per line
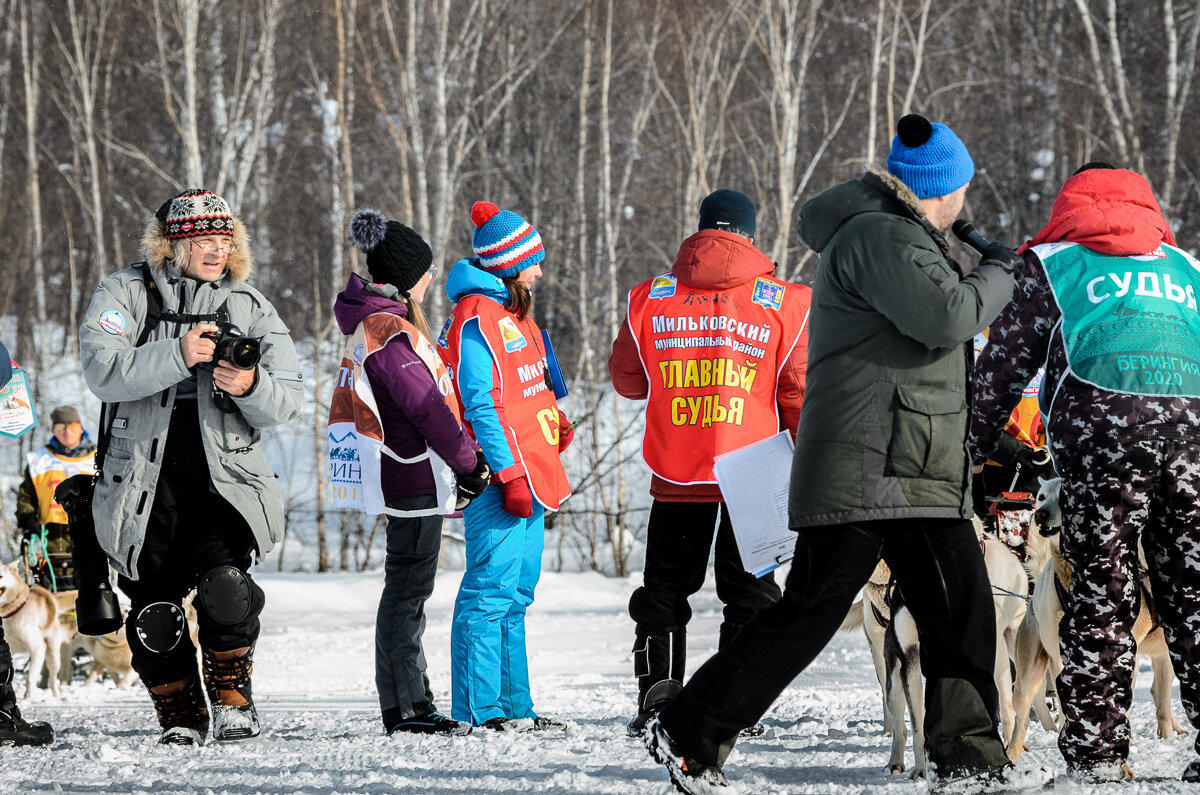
191 530
678 538
940 570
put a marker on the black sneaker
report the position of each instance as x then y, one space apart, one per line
1191 773
688 775
432 722
509 725
757 730
636 726
544 724
14 730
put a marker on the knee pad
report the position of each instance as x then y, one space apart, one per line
228 596
659 608
160 626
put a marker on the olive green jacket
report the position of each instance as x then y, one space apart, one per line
883 430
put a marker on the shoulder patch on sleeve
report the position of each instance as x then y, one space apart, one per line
511 335
112 321
768 293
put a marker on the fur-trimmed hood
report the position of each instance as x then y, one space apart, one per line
157 249
876 192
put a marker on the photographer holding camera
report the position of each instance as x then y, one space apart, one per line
185 498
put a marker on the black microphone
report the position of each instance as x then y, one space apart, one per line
968 234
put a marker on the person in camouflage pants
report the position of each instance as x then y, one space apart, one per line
1120 404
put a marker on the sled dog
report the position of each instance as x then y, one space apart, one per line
896 653
32 624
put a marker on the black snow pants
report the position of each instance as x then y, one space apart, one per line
940 570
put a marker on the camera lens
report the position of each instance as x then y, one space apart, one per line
242 352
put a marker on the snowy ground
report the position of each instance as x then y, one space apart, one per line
314 685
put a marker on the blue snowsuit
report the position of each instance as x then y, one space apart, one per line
489 671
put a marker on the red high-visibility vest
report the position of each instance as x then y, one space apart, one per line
713 359
529 412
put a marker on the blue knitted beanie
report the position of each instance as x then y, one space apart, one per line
504 242
929 158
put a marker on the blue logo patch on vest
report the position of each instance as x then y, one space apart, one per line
445 332
112 321
768 293
663 286
358 355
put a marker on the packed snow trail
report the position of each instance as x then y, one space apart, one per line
314 683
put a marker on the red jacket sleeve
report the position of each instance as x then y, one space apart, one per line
625 366
790 395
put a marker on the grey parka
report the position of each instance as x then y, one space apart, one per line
142 380
883 430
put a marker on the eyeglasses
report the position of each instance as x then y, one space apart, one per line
433 271
207 244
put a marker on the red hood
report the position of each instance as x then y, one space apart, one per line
716 260
1112 211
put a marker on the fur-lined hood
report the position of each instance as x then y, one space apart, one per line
157 249
876 192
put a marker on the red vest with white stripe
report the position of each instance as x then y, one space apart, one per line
529 412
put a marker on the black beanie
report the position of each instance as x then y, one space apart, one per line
395 254
728 211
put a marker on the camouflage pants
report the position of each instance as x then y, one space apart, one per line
1110 497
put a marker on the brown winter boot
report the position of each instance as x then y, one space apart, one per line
227 680
181 711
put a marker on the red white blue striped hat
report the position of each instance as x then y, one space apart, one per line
505 243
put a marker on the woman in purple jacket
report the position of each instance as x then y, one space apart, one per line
422 436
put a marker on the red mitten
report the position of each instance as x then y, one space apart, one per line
566 431
518 499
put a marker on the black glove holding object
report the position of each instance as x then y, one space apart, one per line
1001 256
472 484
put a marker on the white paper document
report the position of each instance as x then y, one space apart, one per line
754 483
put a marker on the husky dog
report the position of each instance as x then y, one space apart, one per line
892 636
1037 649
110 653
32 624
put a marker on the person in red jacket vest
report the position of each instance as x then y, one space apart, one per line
717 348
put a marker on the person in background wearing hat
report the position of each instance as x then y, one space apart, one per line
1122 414
186 498
68 452
880 469
394 362
495 355
746 366
15 730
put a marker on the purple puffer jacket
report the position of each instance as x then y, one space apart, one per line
412 410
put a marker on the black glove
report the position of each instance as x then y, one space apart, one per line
1033 459
472 484
1001 256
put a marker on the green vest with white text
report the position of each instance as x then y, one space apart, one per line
1129 324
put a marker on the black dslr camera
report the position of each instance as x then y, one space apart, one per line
235 347
96 608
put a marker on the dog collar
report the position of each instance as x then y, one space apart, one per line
17 610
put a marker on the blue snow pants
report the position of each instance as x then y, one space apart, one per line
489 671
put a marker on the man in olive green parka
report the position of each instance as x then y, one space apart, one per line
881 468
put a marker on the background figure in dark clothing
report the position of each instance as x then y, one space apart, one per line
389 354
186 497
14 730
42 520
1122 415
880 468
721 282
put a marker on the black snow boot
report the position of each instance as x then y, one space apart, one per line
181 711
227 680
14 730
658 662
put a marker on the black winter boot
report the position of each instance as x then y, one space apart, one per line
658 663
181 711
227 680
14 730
